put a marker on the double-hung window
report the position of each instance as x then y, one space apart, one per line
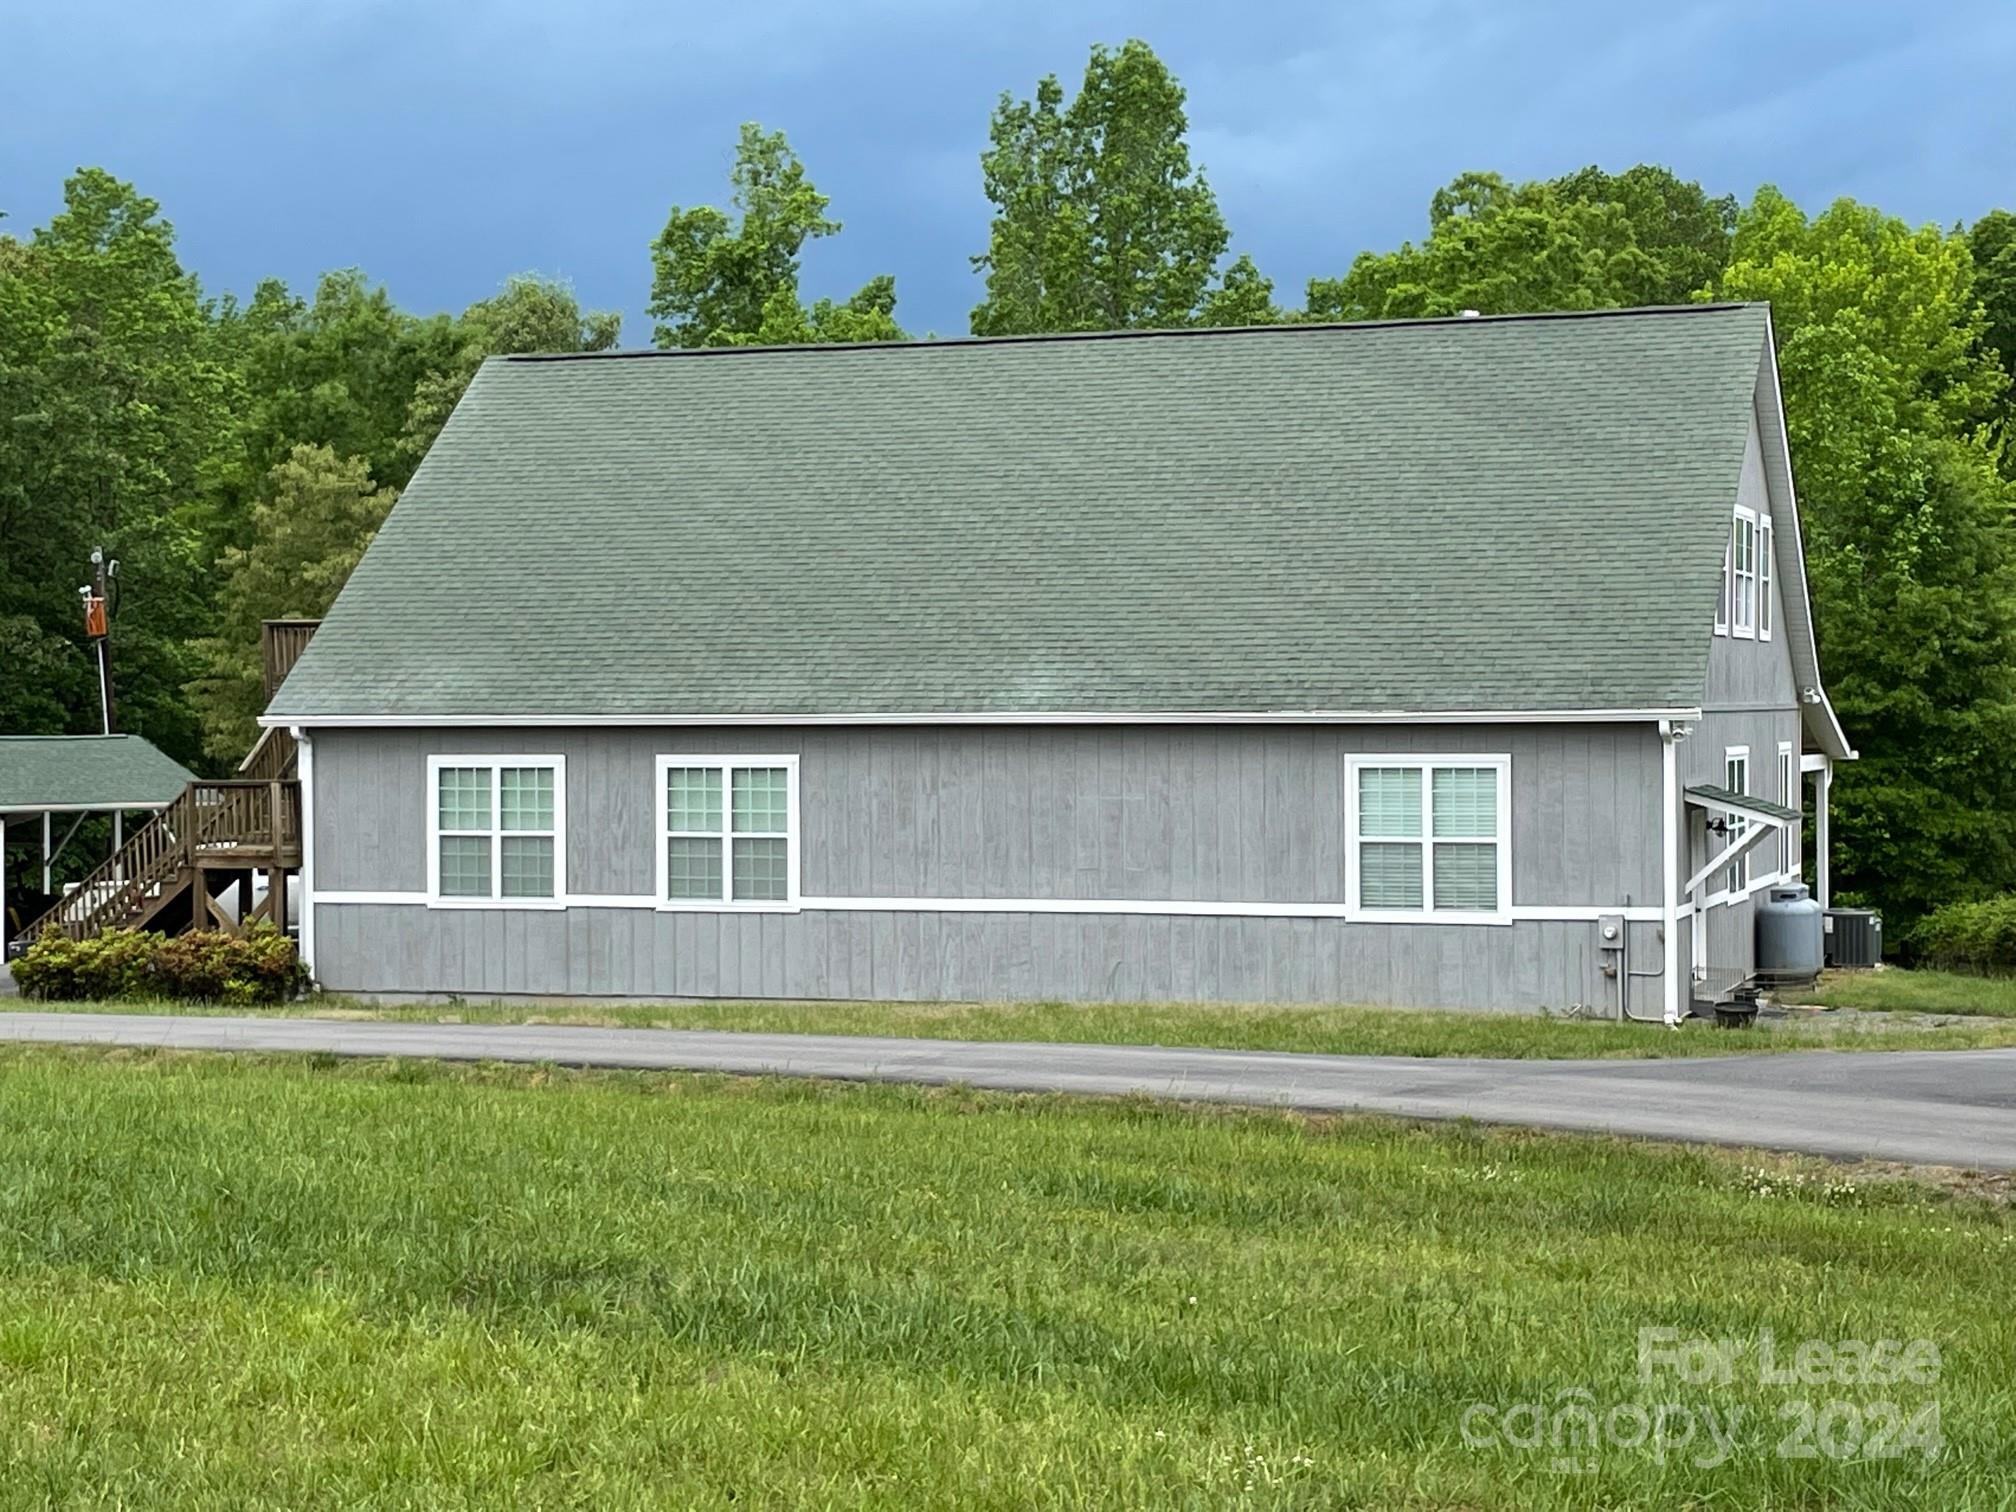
1430 837
1764 577
496 830
1743 578
1736 778
1728 593
728 832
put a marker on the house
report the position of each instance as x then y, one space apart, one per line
1462 662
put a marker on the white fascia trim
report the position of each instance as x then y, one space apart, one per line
1806 642
1078 717
1155 907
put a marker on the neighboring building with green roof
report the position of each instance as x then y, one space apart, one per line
45 779
79 773
1315 663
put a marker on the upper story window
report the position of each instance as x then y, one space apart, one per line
1744 608
496 830
1764 577
1430 838
728 832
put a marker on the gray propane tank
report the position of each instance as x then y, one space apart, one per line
1790 942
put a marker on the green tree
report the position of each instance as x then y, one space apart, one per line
1889 384
529 314
1993 245
1685 234
113 392
318 513
1100 221
1244 297
722 280
340 371
1501 249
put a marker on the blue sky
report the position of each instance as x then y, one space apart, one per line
444 146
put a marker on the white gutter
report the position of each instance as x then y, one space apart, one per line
1070 717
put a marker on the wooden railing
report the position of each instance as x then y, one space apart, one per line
281 643
246 824
276 755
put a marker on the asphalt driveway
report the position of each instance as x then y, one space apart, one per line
1942 1107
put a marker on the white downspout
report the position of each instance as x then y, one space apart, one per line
304 769
1670 736
1823 871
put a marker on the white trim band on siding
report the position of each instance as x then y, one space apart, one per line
1080 717
1166 908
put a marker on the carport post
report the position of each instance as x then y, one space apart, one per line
1823 878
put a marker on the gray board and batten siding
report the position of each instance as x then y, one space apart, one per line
1237 814
1751 700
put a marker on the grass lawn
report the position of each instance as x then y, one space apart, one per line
1896 990
300 1282
1325 1030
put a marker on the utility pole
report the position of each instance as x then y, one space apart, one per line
98 628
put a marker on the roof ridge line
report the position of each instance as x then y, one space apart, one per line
1281 328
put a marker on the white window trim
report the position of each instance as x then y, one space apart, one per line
452 759
1763 550
1427 914
1744 516
1728 579
791 902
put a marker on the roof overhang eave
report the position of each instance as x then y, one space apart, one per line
969 717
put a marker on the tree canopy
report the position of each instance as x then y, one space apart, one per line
1589 241
731 280
1101 223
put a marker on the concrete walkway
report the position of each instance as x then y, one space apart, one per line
1939 1107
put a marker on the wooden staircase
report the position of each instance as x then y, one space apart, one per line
171 871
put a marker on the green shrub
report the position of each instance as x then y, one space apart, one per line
259 966
1970 936
115 963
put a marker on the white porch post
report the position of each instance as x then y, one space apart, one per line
6 933
1823 785
45 852
1670 736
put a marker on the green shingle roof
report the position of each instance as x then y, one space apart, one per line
86 771
1487 514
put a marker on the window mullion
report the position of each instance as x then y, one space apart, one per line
727 832
496 832
1427 838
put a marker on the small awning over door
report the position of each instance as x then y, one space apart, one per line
1741 803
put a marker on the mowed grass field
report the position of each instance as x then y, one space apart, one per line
234 1280
1915 1003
